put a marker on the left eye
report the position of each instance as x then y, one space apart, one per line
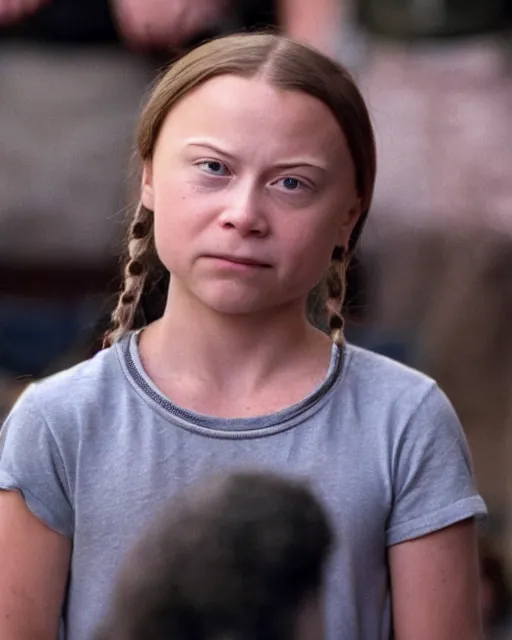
215 167
291 184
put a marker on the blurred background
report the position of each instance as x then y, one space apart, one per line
432 283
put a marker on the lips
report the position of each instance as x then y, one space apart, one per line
244 260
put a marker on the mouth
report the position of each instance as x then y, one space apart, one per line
241 260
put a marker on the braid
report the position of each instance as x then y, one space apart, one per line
336 289
138 261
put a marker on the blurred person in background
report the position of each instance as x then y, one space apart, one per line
438 80
71 76
437 77
240 557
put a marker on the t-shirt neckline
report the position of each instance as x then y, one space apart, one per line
129 357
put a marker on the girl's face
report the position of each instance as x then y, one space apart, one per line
252 187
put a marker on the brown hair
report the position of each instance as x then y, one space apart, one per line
284 64
235 556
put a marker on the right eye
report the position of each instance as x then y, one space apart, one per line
213 167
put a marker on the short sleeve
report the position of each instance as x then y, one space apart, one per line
31 463
433 480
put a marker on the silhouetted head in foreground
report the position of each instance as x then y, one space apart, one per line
239 559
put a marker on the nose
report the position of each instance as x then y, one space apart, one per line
245 212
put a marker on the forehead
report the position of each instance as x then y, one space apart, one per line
252 113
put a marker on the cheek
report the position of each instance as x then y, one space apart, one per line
165 232
174 216
310 250
171 235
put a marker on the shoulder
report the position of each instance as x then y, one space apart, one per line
70 393
396 402
418 445
375 376
87 376
52 420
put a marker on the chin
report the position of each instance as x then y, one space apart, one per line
235 307
232 302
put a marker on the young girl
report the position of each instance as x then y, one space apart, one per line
258 169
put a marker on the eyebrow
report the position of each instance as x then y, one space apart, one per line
294 163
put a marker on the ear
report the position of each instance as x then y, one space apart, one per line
147 195
348 222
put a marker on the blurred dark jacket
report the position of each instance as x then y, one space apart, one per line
91 21
410 19
67 21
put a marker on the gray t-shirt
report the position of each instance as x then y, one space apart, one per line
97 449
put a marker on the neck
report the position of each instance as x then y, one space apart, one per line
193 340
